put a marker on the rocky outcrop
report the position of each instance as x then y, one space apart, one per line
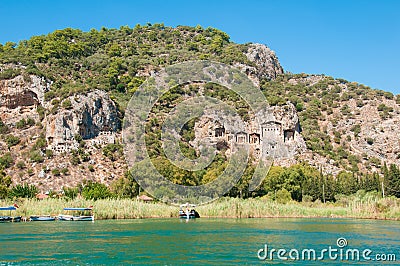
266 61
271 132
90 115
265 64
19 92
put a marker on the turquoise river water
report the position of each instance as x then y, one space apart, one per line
202 242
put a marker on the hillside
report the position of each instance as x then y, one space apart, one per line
346 125
63 97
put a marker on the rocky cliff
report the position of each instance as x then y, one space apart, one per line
271 132
45 147
265 63
87 116
20 96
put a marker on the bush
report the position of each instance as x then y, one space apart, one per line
40 143
283 196
307 198
113 151
75 158
91 168
70 193
25 123
9 73
94 191
384 111
21 164
49 154
5 183
30 172
65 171
36 157
41 111
6 160
3 128
11 140
55 172
23 191
356 129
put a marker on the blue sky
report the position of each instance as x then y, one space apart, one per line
358 40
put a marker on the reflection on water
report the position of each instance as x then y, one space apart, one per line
173 241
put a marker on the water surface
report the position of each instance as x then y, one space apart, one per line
177 242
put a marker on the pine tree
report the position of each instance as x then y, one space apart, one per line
392 181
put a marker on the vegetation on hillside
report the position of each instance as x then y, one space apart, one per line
118 61
317 99
113 59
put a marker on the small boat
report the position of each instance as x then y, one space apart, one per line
9 218
4 219
42 218
187 211
81 214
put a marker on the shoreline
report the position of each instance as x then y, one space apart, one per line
242 218
235 208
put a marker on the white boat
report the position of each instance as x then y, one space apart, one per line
81 214
187 211
9 218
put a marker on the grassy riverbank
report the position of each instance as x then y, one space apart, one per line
354 207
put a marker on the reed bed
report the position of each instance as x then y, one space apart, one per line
387 208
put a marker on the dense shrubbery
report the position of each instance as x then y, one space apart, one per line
94 191
23 191
306 182
109 59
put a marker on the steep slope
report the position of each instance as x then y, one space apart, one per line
346 125
59 82
63 96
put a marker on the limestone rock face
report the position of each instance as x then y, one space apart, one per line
266 61
90 116
271 132
20 96
19 92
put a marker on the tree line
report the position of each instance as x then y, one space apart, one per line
300 182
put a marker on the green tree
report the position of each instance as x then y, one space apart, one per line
70 193
125 187
346 183
392 181
283 196
5 183
94 191
23 191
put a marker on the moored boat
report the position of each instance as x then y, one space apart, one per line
9 218
187 211
81 214
42 218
